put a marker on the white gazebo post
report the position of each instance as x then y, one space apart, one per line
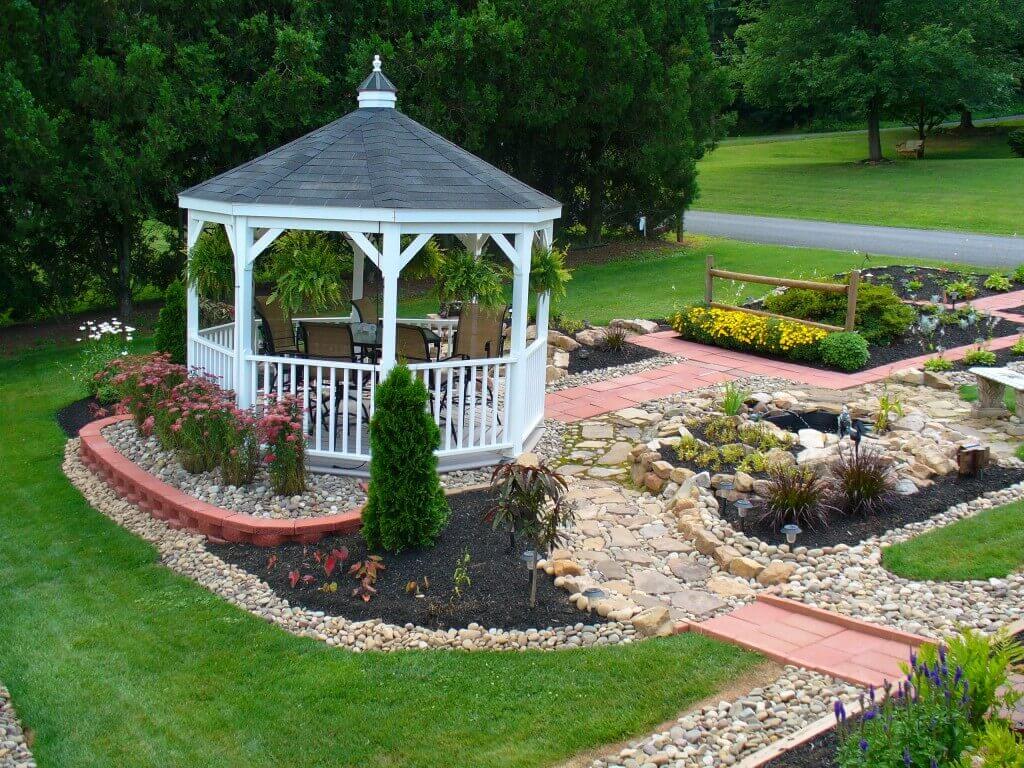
195 228
390 267
241 245
520 309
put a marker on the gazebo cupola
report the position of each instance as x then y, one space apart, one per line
389 184
376 90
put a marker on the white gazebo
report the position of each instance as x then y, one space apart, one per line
389 184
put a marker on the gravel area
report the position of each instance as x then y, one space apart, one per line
185 553
724 733
613 372
326 494
14 749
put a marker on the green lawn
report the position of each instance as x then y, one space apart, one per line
652 285
988 545
113 660
969 392
973 184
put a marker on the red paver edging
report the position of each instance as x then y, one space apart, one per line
877 630
830 643
167 503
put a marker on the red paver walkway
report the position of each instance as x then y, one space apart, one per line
706 365
794 633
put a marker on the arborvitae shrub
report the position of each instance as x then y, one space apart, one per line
170 325
405 507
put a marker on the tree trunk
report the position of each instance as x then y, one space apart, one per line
680 224
533 584
595 210
966 120
874 132
920 123
124 266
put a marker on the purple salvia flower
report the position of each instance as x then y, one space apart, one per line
864 746
907 761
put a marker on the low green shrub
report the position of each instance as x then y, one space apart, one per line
1018 274
169 335
1015 139
1018 346
998 282
961 290
980 356
938 365
847 351
881 315
405 507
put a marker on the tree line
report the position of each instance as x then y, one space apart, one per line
111 108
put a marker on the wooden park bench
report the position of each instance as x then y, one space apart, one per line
911 148
992 383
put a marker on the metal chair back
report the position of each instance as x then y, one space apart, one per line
366 310
480 332
411 344
277 329
328 341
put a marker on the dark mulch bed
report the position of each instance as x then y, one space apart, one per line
819 752
911 345
954 336
944 493
934 281
1003 356
497 598
73 417
598 358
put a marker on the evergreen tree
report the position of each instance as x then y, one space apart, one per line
169 335
405 506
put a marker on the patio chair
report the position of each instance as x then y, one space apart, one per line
276 328
480 334
411 344
329 341
366 310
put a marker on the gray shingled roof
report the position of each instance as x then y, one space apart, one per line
372 158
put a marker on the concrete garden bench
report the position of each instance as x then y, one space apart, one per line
911 148
992 382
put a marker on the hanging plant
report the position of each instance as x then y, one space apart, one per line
426 263
463 277
548 272
211 265
308 269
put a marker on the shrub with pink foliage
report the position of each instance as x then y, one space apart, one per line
240 447
281 429
141 382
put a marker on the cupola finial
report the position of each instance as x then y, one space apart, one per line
376 90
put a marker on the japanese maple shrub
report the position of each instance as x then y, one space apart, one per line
281 429
405 506
531 501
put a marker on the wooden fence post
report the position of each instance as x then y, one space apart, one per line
851 299
709 291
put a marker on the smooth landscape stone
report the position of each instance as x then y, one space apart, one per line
697 602
688 571
654 583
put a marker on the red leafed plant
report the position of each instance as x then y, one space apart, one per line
365 571
293 578
334 557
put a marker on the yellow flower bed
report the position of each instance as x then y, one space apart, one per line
747 332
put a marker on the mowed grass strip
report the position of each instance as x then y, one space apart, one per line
969 183
986 546
113 660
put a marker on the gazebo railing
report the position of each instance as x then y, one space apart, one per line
213 351
468 401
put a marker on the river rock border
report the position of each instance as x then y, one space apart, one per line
14 748
725 733
183 552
